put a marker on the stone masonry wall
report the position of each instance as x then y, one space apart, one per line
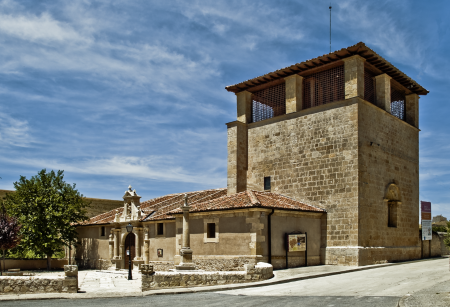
154 280
388 153
40 284
211 264
312 156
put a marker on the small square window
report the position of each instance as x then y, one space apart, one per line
211 230
160 229
266 183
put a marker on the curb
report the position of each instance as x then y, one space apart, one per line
198 289
401 302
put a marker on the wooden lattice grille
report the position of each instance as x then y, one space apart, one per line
324 87
397 102
269 102
369 86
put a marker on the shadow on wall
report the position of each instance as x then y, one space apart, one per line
87 256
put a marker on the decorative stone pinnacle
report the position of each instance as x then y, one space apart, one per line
185 200
129 188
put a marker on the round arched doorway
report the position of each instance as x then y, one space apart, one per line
130 250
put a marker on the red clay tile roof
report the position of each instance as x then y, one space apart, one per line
360 49
250 199
163 208
157 208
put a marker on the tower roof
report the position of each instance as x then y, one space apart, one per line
377 61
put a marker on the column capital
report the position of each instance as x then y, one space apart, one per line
355 57
383 76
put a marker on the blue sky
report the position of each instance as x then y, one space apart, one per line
132 92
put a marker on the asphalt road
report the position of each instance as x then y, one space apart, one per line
375 287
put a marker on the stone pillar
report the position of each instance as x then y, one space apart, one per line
116 244
146 246
237 157
186 252
383 92
70 282
294 93
412 110
111 245
244 107
354 76
138 243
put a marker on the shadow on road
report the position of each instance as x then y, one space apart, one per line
216 299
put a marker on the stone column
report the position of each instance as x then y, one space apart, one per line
146 246
138 243
354 76
116 244
294 93
186 252
383 92
412 110
244 107
237 157
111 244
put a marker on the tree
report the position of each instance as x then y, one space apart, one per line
9 233
48 209
447 236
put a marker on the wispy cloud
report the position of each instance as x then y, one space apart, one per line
151 167
13 132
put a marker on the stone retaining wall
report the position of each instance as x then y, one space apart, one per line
212 263
155 280
41 284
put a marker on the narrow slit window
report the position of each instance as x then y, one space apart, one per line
211 230
103 231
392 214
266 183
160 229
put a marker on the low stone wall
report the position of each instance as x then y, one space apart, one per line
223 264
41 284
155 280
445 250
211 263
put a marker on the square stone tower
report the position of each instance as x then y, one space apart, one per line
341 132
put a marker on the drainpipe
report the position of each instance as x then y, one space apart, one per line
269 230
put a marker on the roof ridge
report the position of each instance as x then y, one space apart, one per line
216 191
253 199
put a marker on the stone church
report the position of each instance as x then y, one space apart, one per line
327 148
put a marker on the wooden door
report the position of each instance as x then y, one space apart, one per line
130 240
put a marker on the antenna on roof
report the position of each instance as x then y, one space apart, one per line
330 26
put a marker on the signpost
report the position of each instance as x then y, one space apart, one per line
426 220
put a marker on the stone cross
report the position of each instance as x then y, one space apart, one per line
186 252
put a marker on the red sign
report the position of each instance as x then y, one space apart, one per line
426 210
426 216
